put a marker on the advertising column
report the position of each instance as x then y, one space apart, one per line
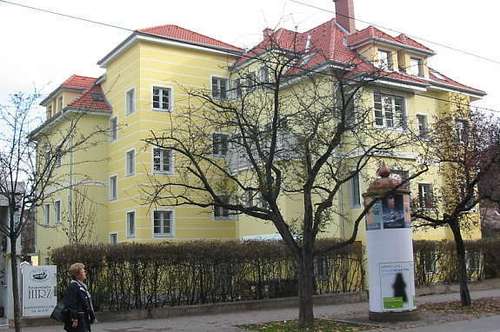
391 278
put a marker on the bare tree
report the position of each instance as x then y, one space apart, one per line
294 131
29 166
79 220
464 144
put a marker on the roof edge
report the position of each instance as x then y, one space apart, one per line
388 42
136 35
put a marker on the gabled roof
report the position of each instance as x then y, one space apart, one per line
371 33
178 33
78 82
172 34
74 82
91 100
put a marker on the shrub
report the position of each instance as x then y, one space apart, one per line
141 276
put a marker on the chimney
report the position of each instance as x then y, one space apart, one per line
267 32
344 10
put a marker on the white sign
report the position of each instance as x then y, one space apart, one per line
396 285
39 290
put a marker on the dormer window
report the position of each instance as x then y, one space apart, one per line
385 60
416 67
49 111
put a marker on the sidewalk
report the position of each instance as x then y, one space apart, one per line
228 322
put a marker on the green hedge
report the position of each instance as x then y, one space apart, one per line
141 276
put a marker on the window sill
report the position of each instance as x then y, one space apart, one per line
163 173
395 129
225 219
162 110
166 236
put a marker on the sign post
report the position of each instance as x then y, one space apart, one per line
39 290
391 280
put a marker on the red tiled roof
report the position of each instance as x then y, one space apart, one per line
78 82
404 39
440 79
171 31
330 43
371 33
368 34
92 99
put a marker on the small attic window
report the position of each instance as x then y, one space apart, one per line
97 97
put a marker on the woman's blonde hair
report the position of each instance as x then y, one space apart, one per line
75 269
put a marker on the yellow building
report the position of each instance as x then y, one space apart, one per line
143 90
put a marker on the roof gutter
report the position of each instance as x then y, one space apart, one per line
138 36
60 117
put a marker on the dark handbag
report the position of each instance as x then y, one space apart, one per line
60 313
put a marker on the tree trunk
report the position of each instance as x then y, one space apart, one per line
15 283
306 288
462 267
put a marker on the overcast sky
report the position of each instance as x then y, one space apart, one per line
41 50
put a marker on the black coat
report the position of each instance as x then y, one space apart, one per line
79 307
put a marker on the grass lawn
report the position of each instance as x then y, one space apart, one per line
320 325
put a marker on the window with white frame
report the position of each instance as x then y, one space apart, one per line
220 211
385 60
219 87
49 111
113 238
462 128
425 195
162 223
113 182
416 67
131 224
130 160
355 191
219 144
130 101
162 99
57 212
423 126
46 214
113 128
163 160
389 111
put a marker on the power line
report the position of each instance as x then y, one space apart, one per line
453 48
114 26
48 11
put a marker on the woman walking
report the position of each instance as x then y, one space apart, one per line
78 302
